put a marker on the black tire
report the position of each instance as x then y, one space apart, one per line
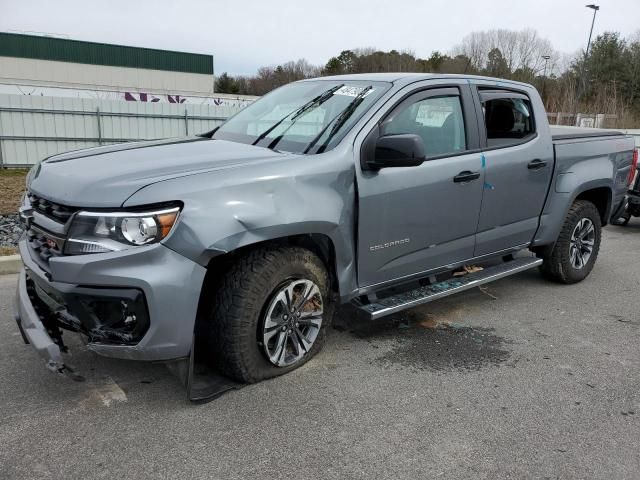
239 304
622 220
557 263
625 219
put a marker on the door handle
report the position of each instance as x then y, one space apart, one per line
536 164
466 176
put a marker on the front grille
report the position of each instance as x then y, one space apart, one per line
52 210
43 245
45 235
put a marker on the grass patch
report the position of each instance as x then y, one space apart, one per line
13 172
12 187
8 251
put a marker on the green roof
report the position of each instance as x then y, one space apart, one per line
76 51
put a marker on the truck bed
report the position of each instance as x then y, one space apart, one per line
570 133
581 152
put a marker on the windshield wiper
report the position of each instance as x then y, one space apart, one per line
314 102
339 120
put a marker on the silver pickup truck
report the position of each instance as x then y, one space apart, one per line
369 189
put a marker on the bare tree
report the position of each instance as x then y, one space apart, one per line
521 50
613 63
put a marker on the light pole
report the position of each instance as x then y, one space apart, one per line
595 9
544 76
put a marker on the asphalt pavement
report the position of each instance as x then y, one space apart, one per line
523 379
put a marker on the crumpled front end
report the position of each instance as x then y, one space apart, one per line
138 303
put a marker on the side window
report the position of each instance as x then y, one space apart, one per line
508 120
438 120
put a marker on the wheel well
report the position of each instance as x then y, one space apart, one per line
601 198
319 244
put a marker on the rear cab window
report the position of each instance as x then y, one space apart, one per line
508 117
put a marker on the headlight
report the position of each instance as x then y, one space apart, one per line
99 232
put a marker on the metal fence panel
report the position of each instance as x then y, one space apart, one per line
33 128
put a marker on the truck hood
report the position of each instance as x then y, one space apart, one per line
107 176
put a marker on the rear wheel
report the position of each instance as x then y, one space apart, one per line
576 249
270 313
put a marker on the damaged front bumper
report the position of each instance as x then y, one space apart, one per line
33 330
138 304
107 315
40 318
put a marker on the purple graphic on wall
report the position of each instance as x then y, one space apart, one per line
142 97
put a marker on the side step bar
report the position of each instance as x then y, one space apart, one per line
428 293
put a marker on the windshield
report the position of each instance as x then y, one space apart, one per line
304 117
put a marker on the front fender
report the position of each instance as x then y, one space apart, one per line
235 208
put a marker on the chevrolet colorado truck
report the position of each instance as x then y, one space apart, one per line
370 189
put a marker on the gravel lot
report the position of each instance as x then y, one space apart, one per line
10 231
12 188
541 382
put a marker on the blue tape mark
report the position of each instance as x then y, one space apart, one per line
488 186
484 160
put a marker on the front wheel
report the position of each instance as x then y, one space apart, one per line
270 313
576 249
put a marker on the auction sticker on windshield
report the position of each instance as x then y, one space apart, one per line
348 91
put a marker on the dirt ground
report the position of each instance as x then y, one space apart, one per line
11 188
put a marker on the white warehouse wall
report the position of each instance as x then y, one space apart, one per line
26 71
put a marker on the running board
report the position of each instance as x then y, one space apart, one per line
401 301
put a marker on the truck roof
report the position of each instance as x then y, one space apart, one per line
404 78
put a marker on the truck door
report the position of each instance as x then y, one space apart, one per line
518 168
414 219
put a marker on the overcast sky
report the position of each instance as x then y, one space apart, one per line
245 34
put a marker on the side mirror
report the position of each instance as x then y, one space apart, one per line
406 150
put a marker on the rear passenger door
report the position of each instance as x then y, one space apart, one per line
518 164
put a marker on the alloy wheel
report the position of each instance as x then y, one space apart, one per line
292 322
582 242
